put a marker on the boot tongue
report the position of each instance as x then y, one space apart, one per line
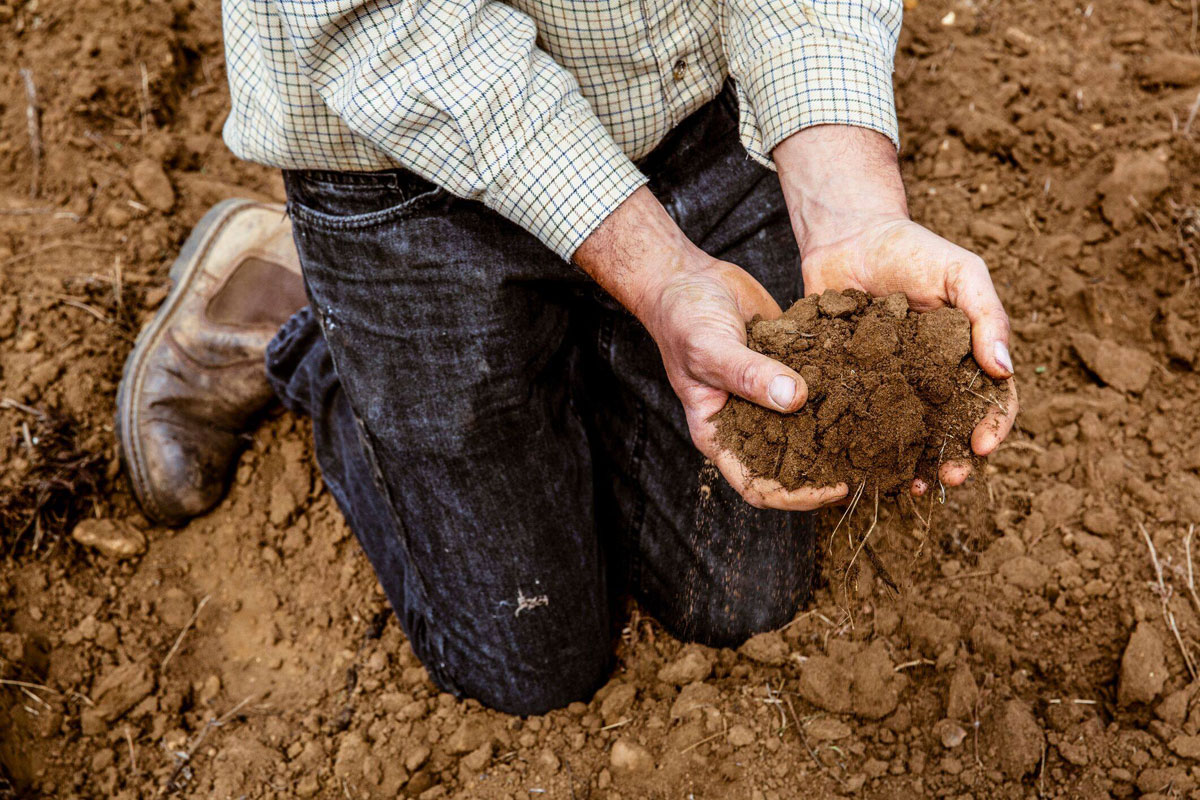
258 293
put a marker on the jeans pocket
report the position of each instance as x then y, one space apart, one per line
349 201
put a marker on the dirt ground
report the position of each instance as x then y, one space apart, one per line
1029 647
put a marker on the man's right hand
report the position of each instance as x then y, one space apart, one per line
696 309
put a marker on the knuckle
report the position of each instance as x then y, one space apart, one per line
744 378
696 353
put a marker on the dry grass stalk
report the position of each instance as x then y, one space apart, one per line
1191 576
162 668
1164 594
185 757
847 513
34 126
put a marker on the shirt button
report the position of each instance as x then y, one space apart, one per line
679 70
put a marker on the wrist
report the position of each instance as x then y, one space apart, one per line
838 180
635 251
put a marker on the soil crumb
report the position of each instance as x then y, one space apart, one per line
892 394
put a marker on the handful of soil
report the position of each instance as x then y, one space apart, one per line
892 394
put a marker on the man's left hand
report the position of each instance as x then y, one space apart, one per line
848 209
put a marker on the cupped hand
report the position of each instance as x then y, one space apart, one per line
848 208
698 318
898 255
696 309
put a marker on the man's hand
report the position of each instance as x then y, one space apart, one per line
696 309
848 209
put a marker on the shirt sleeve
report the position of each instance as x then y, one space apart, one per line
458 92
799 63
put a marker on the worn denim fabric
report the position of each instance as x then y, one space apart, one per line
501 435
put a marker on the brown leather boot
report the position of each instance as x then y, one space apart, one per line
195 377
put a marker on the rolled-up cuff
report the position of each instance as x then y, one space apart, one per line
566 180
811 81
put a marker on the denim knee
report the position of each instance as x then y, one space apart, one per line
514 684
726 620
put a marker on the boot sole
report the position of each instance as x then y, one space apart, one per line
187 265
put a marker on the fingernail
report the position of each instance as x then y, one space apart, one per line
782 391
1002 356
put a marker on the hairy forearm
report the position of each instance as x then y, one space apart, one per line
834 176
633 250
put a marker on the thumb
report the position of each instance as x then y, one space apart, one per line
974 293
735 368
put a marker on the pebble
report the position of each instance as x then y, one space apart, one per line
827 729
741 736
112 538
949 733
691 665
765 648
628 758
472 734
1185 746
618 702
1143 668
962 695
1025 572
1017 740
150 181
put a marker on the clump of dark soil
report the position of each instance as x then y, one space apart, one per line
892 394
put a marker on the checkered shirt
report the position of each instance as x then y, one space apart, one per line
539 108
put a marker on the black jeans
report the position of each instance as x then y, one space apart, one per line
501 435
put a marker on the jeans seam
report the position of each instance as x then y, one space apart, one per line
434 639
329 222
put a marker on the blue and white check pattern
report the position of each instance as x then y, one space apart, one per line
538 108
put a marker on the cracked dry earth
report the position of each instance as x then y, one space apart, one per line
1027 650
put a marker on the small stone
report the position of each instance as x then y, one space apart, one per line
150 181
630 759
694 696
351 753
472 734
1025 572
112 538
416 756
963 694
950 733
835 304
827 729
547 763
691 665
1174 707
1170 68
991 232
1015 739
766 648
741 736
121 689
618 701
91 722
479 758
1126 369
1143 668
1185 746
